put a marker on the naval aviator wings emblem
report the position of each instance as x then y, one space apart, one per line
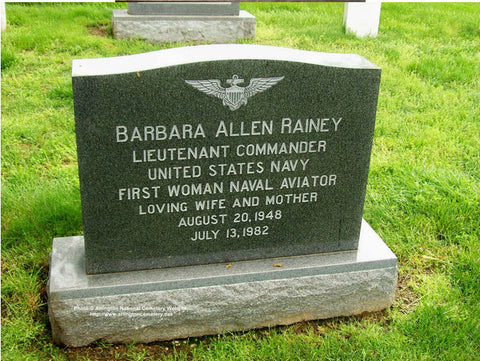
235 96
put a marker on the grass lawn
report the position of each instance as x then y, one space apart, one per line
423 195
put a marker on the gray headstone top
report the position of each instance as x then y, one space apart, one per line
221 153
217 52
184 8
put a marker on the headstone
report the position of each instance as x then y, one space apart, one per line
184 8
197 162
3 16
362 19
218 175
214 22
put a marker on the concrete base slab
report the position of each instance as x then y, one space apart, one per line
170 303
190 28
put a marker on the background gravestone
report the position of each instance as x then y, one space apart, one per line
214 22
203 156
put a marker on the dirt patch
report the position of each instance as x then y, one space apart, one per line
102 30
152 351
406 298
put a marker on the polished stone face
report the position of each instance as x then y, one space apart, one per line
221 153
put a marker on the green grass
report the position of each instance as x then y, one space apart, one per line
423 195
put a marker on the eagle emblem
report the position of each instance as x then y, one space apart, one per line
235 96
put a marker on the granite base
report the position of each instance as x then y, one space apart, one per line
190 28
170 303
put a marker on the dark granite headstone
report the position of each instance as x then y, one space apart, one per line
221 153
184 8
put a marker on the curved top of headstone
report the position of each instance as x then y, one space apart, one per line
218 52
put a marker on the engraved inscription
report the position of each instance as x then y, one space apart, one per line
231 190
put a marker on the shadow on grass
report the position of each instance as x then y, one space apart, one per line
51 211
